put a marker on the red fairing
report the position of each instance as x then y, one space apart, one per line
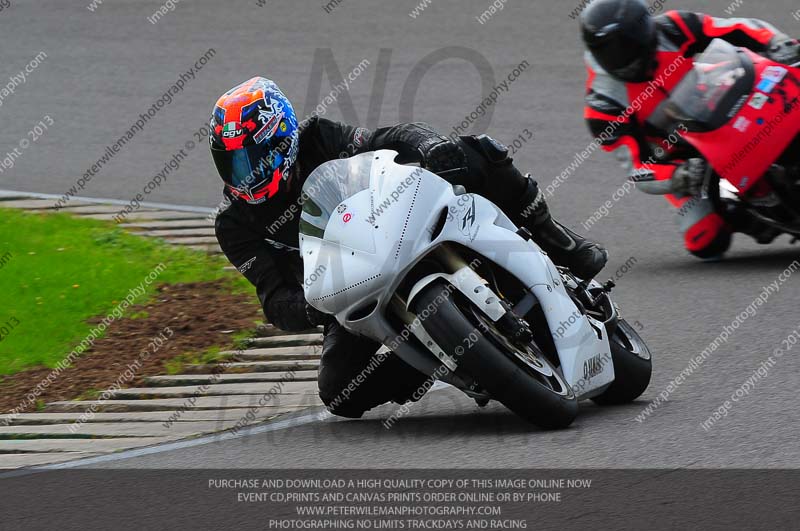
743 149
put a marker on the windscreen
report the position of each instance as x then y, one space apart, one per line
707 97
327 187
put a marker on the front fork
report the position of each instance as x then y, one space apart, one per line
462 276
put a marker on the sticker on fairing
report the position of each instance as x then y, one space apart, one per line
766 86
742 124
346 214
758 101
774 73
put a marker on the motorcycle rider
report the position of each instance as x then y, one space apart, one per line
264 156
634 60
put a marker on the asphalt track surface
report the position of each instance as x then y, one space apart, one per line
105 68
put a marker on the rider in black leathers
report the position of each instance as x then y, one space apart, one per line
264 247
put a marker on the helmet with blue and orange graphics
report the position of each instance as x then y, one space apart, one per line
254 139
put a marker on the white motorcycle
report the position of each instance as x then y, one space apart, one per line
446 281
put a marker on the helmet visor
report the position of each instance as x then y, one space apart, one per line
619 54
247 168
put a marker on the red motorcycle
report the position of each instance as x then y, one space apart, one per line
741 113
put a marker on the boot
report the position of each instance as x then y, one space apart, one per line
584 258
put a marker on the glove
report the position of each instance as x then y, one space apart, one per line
318 318
688 178
784 50
442 156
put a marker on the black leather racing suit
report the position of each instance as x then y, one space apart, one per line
261 241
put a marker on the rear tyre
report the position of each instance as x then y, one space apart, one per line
520 378
632 367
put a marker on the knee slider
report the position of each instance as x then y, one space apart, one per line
338 400
709 238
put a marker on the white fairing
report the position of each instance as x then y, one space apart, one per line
374 237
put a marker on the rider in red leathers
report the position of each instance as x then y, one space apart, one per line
634 61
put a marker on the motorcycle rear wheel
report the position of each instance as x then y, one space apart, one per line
632 367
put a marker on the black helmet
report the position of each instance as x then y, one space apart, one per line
623 38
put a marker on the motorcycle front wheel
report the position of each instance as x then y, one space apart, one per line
519 377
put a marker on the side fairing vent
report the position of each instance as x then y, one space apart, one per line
339 292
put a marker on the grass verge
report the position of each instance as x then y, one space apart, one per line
58 271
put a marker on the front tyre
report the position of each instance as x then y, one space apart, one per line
520 378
